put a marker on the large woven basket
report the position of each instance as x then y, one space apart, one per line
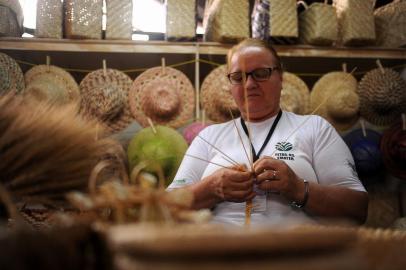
355 22
318 25
83 19
180 19
119 19
49 19
226 20
283 21
390 23
11 18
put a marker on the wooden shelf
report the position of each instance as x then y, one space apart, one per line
213 48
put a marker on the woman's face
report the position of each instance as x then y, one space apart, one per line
262 97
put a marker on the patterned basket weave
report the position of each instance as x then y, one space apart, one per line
318 25
119 19
180 19
390 23
83 19
283 21
11 76
355 21
295 95
11 18
226 20
49 19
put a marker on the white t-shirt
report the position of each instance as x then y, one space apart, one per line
314 151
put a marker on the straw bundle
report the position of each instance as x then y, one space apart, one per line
226 20
355 21
390 23
318 25
180 19
119 19
283 21
83 19
49 19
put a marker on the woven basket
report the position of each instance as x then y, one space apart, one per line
226 20
180 19
295 95
49 19
119 19
355 22
318 25
9 25
83 19
390 23
283 21
11 76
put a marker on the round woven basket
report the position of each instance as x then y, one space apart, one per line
11 76
336 94
51 83
165 95
105 97
216 97
295 95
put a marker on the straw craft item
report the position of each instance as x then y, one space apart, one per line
382 96
216 97
260 20
11 76
180 19
105 97
52 84
342 104
283 20
83 19
355 21
11 19
119 19
163 94
318 25
295 95
390 24
226 20
49 19
48 150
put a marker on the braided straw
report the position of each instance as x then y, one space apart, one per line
318 25
105 97
390 24
11 76
166 96
216 97
119 19
227 21
83 19
283 21
180 19
355 21
49 19
295 95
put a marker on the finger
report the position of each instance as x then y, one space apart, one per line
249 185
239 196
269 186
270 175
238 176
266 163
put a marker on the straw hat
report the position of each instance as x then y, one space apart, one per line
11 76
382 96
51 83
163 94
336 95
105 97
216 97
295 95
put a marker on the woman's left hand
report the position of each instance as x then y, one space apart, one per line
276 176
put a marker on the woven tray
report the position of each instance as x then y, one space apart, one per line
49 19
180 19
119 19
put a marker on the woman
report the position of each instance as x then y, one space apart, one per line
302 169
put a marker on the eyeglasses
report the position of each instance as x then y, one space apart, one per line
259 75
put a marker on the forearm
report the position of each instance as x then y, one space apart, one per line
337 202
204 193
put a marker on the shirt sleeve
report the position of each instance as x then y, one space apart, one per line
332 160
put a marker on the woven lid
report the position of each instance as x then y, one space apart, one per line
51 83
165 95
105 97
336 92
295 95
11 76
216 97
382 96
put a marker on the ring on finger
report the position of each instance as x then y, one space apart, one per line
273 175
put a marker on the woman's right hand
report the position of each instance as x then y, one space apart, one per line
234 184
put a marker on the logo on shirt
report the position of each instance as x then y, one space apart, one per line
284 146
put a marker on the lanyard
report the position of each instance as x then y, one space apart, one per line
268 137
